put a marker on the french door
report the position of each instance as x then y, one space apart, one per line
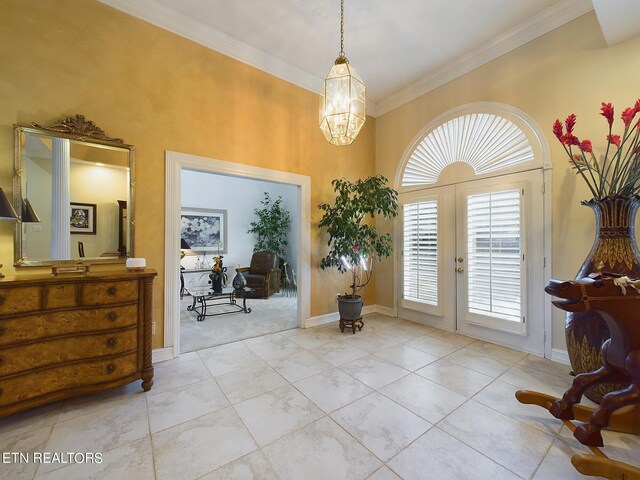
472 259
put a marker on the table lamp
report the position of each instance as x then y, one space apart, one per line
6 213
29 215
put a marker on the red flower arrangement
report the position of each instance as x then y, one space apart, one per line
611 175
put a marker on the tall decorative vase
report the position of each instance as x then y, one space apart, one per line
216 282
614 251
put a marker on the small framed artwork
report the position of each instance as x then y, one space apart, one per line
204 229
83 218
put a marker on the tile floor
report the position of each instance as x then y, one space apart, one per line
398 400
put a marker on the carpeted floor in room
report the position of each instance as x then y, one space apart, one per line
275 314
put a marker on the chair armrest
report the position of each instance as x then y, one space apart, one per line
276 282
242 269
272 271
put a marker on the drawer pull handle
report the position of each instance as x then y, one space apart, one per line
1 361
111 342
2 330
112 316
1 392
1 299
111 368
112 291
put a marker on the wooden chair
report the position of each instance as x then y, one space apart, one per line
263 274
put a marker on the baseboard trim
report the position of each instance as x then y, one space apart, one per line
321 319
560 356
161 354
334 316
391 312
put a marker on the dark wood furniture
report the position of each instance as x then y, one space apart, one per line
262 274
352 324
63 336
203 297
122 228
618 301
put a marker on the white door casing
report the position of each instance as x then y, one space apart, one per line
175 162
485 141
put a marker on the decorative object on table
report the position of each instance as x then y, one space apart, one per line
204 229
83 218
612 179
7 212
342 98
239 281
262 274
136 264
271 228
354 244
218 275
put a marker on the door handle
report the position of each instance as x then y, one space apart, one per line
460 259
460 270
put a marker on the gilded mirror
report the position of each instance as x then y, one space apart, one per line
73 188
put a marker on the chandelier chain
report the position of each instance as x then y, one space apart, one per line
342 28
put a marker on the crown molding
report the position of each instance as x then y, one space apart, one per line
536 26
180 24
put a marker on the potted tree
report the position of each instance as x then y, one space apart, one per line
354 243
272 227
271 230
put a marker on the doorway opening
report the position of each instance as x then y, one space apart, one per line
473 236
180 166
229 204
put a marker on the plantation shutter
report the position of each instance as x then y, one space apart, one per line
421 252
494 254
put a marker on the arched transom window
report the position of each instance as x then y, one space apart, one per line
485 141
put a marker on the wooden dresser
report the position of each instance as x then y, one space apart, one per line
63 336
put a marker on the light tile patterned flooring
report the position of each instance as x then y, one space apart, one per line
398 400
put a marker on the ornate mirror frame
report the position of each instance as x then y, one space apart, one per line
77 129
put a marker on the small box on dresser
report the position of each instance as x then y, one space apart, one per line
63 336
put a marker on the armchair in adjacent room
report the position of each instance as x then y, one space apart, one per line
263 274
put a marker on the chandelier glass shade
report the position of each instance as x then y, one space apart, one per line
342 99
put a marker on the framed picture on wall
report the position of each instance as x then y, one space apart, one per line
83 218
204 229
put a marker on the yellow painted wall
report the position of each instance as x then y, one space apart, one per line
569 70
162 92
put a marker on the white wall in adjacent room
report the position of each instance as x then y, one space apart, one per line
239 197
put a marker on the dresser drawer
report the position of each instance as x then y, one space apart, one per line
35 327
35 384
67 349
20 299
103 293
61 295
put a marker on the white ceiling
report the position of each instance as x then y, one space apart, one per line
401 48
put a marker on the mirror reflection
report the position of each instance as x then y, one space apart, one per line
80 193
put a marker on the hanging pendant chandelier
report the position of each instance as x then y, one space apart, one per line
342 99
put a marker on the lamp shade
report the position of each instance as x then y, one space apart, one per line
6 209
342 104
29 215
184 245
